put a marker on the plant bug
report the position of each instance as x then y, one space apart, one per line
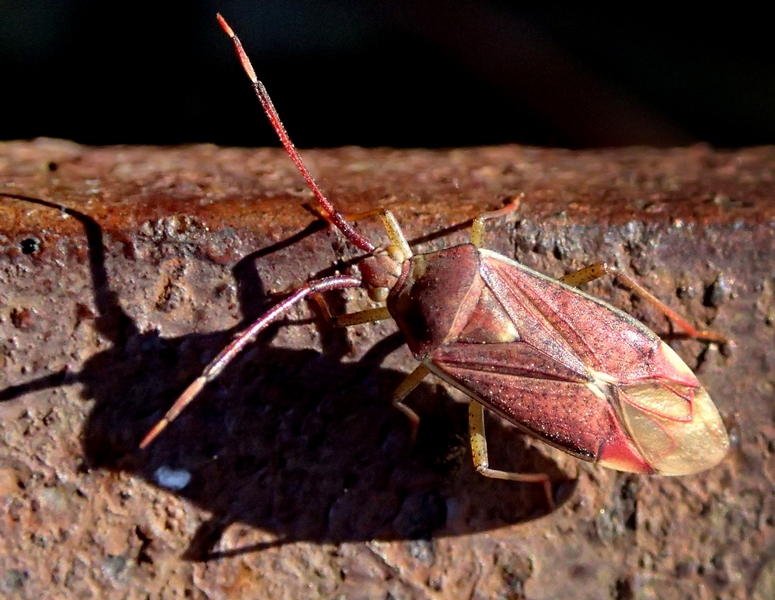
556 362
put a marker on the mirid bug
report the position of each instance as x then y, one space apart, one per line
558 363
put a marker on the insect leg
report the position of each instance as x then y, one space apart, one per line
599 269
585 274
394 233
477 229
393 229
370 315
481 458
402 391
407 385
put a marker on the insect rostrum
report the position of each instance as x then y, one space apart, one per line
558 363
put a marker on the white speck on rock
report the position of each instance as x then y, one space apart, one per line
173 479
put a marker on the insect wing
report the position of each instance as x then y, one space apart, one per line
582 375
674 445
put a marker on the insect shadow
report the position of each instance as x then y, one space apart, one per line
296 442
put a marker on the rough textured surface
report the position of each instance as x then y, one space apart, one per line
301 484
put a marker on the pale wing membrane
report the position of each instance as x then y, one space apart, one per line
674 446
660 400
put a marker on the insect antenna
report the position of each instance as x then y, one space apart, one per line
243 339
330 213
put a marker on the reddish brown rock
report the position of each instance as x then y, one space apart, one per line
123 270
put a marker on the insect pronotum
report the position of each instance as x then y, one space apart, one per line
558 363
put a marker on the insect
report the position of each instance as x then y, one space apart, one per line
558 363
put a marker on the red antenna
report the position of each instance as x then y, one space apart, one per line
332 215
248 336
337 282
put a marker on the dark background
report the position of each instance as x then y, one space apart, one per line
386 73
